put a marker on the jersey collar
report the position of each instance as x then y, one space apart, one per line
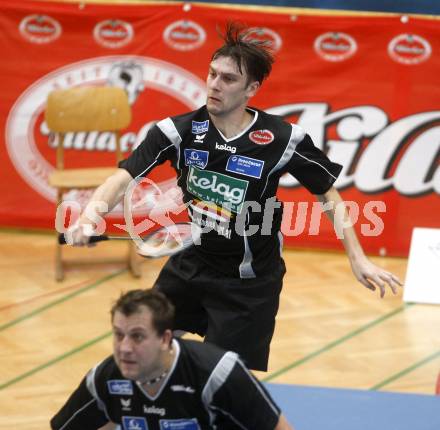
176 347
244 131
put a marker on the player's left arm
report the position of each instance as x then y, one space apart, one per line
243 398
110 426
367 273
283 424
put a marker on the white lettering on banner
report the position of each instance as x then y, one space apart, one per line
413 140
402 155
98 141
411 175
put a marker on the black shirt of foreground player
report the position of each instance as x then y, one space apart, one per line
204 386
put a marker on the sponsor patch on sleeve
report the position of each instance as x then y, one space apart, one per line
182 424
245 166
120 386
134 423
199 127
196 157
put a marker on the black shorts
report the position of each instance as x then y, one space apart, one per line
235 314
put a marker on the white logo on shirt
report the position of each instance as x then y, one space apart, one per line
199 138
154 410
224 147
126 404
189 390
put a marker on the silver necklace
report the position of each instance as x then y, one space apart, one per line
155 380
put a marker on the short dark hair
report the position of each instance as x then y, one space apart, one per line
161 308
254 55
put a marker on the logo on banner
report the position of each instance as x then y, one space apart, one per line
409 144
40 28
195 157
27 135
113 33
409 49
261 137
267 35
184 35
335 46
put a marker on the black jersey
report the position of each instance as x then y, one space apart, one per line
230 183
205 386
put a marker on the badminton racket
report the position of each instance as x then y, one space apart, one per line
165 241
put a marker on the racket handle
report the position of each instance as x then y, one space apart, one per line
92 239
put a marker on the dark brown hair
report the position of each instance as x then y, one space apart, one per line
254 55
161 308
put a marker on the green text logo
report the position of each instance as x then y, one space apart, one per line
215 187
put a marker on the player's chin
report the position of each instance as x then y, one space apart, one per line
128 369
130 374
213 109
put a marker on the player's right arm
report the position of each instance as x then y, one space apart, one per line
80 412
103 200
153 151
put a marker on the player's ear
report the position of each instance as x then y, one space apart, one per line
252 88
166 338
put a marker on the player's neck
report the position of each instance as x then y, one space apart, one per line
155 381
232 124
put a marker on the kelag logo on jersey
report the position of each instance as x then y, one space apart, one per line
120 386
245 166
199 127
215 187
224 147
195 157
180 424
134 423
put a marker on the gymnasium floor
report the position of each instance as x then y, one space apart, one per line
341 357
312 408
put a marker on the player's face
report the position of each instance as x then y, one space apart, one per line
137 347
228 90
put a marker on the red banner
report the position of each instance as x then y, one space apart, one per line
364 87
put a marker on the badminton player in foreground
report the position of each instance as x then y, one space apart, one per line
229 158
155 382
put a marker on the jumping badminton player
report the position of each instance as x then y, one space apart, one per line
229 158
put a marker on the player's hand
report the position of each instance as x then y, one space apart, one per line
372 276
79 234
